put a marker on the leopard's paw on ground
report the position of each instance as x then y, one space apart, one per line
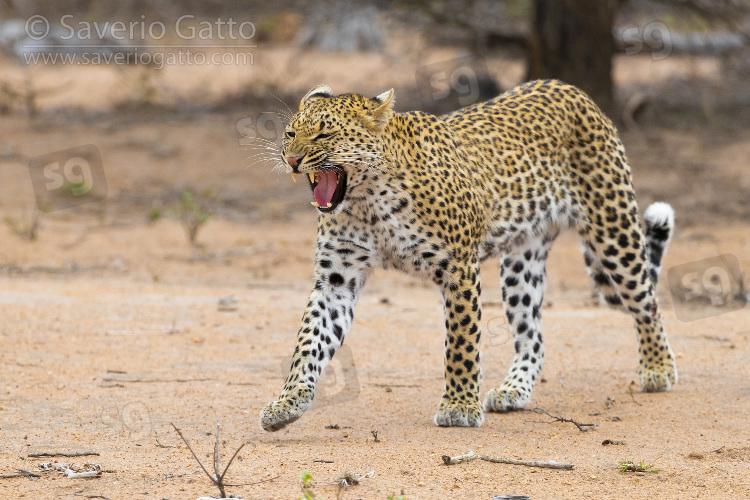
279 414
459 414
506 399
658 379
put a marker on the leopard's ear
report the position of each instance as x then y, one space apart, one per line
383 111
319 91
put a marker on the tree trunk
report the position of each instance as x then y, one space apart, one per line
572 41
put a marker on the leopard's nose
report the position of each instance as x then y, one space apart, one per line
294 161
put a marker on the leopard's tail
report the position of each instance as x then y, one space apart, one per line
659 221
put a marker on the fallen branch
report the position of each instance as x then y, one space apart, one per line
159 445
20 473
557 418
254 482
158 380
528 463
468 457
395 385
71 454
167 477
80 494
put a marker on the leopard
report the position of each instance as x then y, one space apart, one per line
434 196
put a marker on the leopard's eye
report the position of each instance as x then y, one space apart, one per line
323 136
290 134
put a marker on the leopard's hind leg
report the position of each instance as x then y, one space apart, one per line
523 277
659 221
625 263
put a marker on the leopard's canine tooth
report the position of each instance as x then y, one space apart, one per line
294 177
312 176
315 204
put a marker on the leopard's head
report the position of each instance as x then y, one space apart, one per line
334 142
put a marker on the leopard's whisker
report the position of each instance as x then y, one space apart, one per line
290 112
259 142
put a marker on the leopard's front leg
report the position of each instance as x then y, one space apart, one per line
460 406
341 270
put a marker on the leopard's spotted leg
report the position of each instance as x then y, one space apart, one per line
341 270
459 406
631 261
607 292
523 277
659 221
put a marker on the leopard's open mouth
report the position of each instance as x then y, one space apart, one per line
329 188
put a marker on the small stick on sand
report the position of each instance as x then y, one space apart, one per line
499 460
528 463
459 459
558 418
64 454
20 473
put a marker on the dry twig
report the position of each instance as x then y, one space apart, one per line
468 457
71 454
528 463
79 493
20 473
218 478
632 395
557 418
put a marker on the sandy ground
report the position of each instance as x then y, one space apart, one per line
115 328
102 354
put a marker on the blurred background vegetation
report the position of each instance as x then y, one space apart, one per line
164 130
573 40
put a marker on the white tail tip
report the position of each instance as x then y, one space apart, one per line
659 214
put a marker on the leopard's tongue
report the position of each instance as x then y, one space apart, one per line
326 187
